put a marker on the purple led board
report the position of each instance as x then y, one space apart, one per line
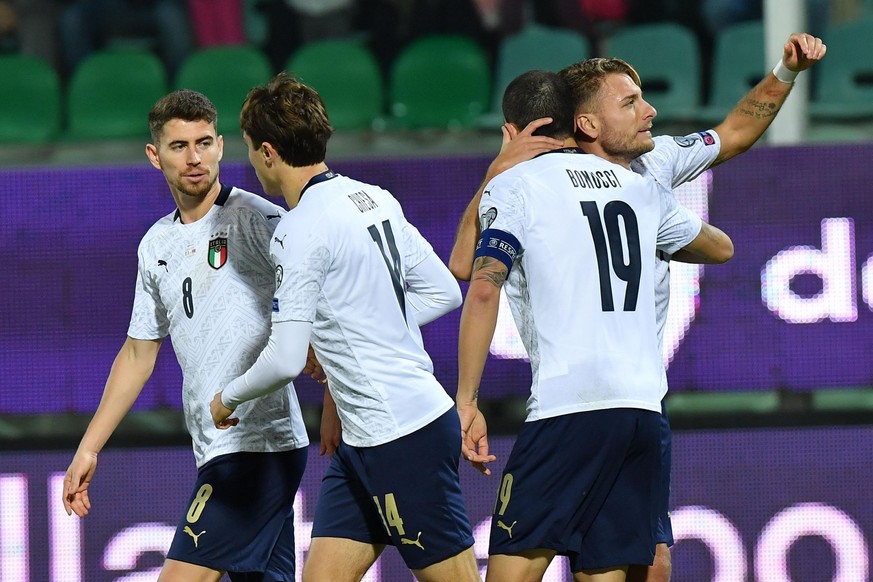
791 310
754 505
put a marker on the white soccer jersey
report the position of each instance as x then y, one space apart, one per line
674 161
581 287
209 285
342 257
678 159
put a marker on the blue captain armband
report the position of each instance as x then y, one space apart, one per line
500 245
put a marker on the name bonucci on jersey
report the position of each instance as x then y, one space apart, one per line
209 285
589 348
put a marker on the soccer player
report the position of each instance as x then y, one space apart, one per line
358 279
205 277
610 120
675 160
573 237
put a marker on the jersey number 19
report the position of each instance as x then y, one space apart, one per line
630 272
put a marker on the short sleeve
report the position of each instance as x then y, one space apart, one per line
502 221
679 159
148 319
679 226
502 207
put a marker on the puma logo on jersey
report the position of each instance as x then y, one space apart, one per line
163 263
508 528
281 242
415 542
272 216
191 533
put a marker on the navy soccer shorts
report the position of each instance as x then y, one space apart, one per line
585 485
404 493
240 517
664 533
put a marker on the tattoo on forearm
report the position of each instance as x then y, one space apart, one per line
758 109
489 269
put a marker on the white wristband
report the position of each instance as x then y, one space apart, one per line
783 73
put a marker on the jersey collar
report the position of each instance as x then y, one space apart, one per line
318 179
563 151
223 195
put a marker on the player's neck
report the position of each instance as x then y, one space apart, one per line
296 178
193 208
595 149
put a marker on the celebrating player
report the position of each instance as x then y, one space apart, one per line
354 275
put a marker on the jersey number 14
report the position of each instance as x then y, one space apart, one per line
392 263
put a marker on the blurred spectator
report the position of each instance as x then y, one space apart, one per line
89 25
8 27
717 14
592 18
30 28
217 22
293 23
392 24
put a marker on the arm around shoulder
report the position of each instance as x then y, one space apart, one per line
711 246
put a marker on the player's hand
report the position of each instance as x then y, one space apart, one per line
76 482
520 146
802 51
331 429
313 368
474 437
221 413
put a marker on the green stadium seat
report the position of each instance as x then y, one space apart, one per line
739 63
111 93
843 400
666 57
30 102
347 76
534 47
225 74
440 81
844 79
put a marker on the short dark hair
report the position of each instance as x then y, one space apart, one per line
183 104
536 94
291 117
586 78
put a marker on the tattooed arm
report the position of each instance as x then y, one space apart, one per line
755 112
478 321
517 147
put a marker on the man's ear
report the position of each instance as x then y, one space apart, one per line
588 125
270 154
152 154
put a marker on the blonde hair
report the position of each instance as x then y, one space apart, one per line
586 78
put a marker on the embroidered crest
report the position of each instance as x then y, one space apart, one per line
685 141
217 256
488 218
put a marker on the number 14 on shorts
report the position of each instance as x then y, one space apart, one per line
390 517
